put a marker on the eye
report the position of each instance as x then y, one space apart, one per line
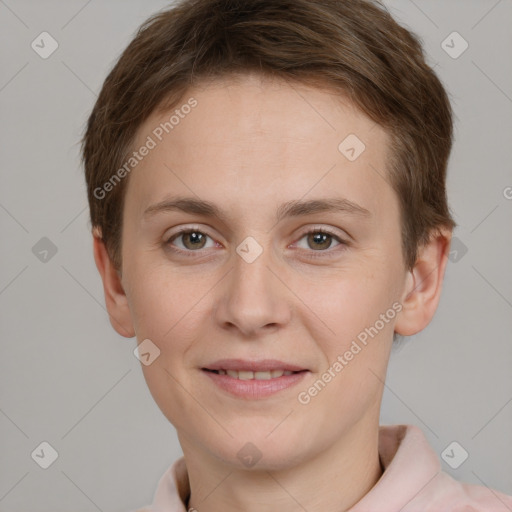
191 240
320 240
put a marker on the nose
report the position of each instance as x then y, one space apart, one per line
253 299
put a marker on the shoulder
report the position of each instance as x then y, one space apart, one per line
413 480
443 492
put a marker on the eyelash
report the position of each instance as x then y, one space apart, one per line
189 253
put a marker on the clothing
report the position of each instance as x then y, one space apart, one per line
413 481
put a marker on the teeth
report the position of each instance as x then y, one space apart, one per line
248 375
262 375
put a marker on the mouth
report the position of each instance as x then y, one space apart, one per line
250 375
251 380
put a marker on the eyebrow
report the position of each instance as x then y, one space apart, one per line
295 208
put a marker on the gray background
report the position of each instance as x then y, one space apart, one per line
67 378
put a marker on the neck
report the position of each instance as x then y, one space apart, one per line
335 479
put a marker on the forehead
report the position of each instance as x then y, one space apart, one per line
266 139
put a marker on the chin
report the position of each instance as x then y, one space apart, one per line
262 449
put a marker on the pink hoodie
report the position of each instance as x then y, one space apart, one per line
412 482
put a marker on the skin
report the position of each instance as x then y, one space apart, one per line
249 146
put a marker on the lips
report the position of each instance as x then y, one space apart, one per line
253 380
248 375
243 369
244 365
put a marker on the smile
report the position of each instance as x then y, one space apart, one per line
253 385
249 375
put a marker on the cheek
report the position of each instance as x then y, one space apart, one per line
357 337
171 310
152 311
348 303
361 314
167 310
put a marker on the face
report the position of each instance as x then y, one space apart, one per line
286 249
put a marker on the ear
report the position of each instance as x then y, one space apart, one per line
423 285
115 297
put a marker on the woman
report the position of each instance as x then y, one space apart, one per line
266 183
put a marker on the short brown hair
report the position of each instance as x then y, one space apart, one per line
352 46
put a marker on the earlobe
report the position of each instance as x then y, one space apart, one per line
424 282
115 297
